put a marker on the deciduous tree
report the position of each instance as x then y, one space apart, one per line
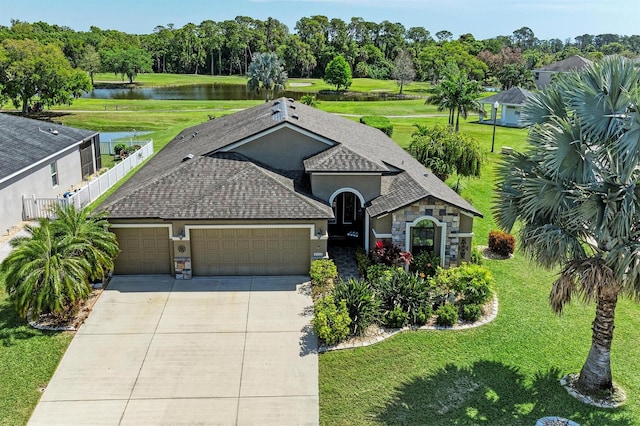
338 73
403 71
444 151
29 68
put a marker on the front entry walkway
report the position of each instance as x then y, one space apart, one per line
205 351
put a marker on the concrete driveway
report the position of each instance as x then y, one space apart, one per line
205 351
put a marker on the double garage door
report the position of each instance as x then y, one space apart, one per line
220 251
256 251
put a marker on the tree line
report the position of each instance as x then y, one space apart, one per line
370 48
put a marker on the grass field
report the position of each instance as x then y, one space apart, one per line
504 373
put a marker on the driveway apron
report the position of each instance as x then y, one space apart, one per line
155 350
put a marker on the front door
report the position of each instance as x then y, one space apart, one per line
349 219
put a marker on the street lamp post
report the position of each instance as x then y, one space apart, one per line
496 105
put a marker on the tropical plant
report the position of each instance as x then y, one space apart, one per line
99 246
361 302
456 93
425 264
575 193
43 273
266 74
49 272
407 291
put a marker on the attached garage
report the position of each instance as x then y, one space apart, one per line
250 251
143 251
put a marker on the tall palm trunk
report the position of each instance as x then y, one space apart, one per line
595 375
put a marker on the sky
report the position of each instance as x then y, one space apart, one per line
562 19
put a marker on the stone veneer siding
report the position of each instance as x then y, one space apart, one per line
437 209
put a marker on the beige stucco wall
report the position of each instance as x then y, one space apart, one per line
444 213
323 186
283 149
37 182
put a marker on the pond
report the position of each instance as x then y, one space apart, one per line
221 92
116 136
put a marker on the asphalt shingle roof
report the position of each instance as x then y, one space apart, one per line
356 147
223 186
513 96
572 63
24 142
341 159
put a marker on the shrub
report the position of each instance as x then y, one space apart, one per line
361 303
330 321
474 283
471 313
381 123
468 284
425 264
442 286
397 318
309 100
386 253
323 272
409 292
120 148
363 261
447 315
378 272
476 256
501 243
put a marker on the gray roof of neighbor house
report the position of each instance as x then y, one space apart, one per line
356 147
572 63
513 96
24 142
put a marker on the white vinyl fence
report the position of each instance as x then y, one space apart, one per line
42 207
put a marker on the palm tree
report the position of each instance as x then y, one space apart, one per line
266 73
43 273
81 225
576 196
457 93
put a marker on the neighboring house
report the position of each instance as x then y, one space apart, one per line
544 75
265 190
510 103
41 160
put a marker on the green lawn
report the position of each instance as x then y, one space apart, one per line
28 358
502 373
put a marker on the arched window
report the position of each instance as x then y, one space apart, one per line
423 237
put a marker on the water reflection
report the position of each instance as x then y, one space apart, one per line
208 92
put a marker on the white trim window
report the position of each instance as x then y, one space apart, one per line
54 173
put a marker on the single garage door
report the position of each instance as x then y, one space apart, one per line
143 251
263 251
